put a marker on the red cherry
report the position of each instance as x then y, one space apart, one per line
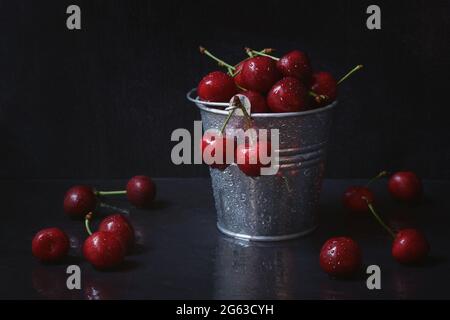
410 246
340 257
259 74
257 101
79 201
248 157
120 226
355 198
238 75
50 245
287 95
216 143
295 64
141 191
324 84
104 250
216 86
405 186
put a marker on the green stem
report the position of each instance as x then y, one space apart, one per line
263 53
87 220
381 174
110 193
380 221
219 61
358 67
222 129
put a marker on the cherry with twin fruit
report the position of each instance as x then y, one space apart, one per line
79 201
355 197
104 250
405 186
50 245
121 227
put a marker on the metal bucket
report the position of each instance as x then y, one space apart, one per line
281 206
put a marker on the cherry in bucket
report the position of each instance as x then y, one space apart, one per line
287 95
50 245
340 257
216 86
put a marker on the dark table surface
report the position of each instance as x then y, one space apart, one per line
181 254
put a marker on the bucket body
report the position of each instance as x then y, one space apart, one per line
281 206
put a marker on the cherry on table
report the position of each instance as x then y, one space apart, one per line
141 191
405 186
104 250
121 227
79 201
296 64
355 198
217 144
259 74
287 95
257 101
324 85
50 245
410 246
340 257
248 157
217 87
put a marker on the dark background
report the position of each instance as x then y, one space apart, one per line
102 102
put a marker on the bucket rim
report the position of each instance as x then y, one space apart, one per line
202 105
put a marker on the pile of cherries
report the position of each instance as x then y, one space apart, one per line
272 84
115 238
341 256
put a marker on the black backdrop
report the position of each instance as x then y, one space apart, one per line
103 101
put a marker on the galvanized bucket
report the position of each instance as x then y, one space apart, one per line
276 207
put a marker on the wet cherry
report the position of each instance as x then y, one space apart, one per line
259 74
324 84
217 144
340 257
405 186
121 227
79 201
248 157
410 246
216 86
104 250
295 64
238 75
355 197
141 191
287 95
50 245
257 101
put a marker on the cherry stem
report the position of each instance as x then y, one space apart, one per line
358 67
87 220
219 61
381 174
110 193
230 114
377 217
264 53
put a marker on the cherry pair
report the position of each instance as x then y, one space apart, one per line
80 200
104 249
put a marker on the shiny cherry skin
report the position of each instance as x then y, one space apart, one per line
216 143
79 201
354 198
257 101
141 191
50 245
287 95
120 226
238 75
323 83
217 87
410 246
405 186
259 74
296 64
248 157
104 250
340 257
